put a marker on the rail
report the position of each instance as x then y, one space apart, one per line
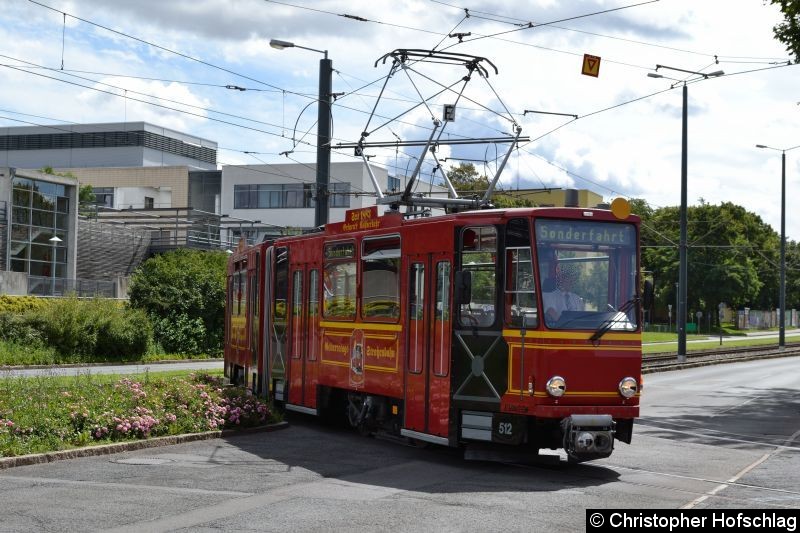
665 362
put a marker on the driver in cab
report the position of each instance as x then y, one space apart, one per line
557 293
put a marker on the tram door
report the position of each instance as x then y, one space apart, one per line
279 324
253 318
304 335
427 394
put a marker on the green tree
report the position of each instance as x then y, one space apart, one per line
86 195
468 182
86 199
466 179
788 31
640 207
792 277
732 257
183 291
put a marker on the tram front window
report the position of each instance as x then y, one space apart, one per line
588 274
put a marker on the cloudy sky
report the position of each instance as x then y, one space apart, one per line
82 61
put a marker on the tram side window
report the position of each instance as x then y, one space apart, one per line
240 306
441 319
380 288
339 282
229 303
281 284
520 289
297 297
313 311
256 283
479 257
237 292
297 316
416 310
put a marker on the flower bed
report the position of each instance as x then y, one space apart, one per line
47 414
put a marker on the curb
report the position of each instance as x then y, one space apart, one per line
108 449
124 363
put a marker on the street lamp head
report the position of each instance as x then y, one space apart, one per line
654 75
280 45
715 74
761 146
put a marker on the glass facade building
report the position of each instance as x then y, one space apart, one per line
39 212
39 234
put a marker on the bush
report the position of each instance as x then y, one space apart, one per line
98 328
68 328
178 288
20 304
179 333
125 335
22 329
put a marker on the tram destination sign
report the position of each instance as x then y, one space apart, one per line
553 231
340 250
361 219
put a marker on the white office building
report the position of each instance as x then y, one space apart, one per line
283 195
117 144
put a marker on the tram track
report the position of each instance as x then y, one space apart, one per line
665 362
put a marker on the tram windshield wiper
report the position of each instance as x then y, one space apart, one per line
621 315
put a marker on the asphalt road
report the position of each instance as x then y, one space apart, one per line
723 437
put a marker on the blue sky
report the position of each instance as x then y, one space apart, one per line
632 149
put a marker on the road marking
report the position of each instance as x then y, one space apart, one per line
741 473
735 406
693 478
725 485
777 447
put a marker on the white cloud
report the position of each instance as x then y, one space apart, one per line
633 149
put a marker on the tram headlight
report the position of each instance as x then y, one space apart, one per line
556 386
628 387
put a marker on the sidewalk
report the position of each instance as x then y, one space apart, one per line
763 334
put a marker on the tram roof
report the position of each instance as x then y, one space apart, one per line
362 222
365 220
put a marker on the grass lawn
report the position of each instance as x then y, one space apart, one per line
654 336
726 342
42 414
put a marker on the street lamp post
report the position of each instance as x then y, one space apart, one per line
782 289
683 271
55 240
323 129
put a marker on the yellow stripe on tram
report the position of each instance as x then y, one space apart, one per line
571 335
360 325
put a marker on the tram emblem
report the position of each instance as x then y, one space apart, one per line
357 359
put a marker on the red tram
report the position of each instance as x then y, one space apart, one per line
500 330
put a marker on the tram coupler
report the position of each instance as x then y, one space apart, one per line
588 437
